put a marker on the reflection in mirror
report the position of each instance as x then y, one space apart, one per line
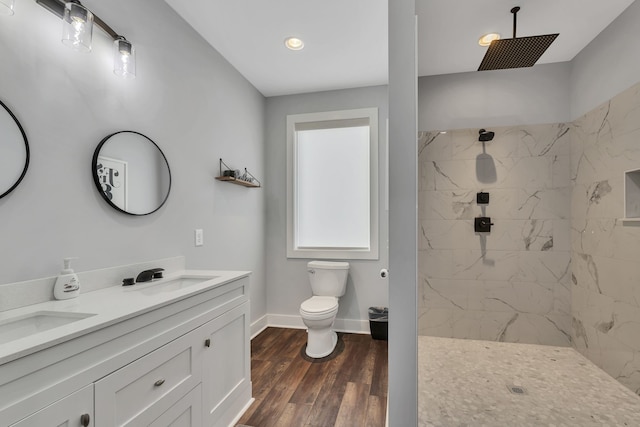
14 151
131 173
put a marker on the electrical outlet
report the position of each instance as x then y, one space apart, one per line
199 237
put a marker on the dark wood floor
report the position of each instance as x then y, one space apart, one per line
349 389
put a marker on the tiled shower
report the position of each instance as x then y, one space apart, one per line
560 266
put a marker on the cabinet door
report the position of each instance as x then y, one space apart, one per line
187 412
226 372
66 412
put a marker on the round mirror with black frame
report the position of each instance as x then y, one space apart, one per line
14 151
131 173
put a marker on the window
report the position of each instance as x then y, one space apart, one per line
332 185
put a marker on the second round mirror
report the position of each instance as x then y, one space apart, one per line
131 173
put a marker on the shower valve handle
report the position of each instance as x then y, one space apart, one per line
482 224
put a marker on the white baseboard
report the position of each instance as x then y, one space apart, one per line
258 326
352 326
386 419
285 321
242 411
295 322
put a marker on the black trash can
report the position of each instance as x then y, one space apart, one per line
379 322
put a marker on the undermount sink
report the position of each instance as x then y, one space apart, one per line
173 284
33 323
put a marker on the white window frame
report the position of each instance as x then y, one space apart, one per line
308 120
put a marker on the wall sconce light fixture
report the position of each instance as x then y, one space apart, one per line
77 29
124 58
6 7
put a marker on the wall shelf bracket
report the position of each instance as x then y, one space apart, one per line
234 176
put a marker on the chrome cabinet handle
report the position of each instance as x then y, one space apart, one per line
85 419
159 382
207 342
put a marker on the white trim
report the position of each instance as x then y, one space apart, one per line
258 326
371 253
242 411
352 326
285 321
386 419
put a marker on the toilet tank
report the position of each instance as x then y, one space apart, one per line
328 278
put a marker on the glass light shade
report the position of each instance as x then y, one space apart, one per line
124 59
77 27
6 7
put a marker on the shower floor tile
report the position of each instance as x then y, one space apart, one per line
466 383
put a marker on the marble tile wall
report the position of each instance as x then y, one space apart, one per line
605 250
512 284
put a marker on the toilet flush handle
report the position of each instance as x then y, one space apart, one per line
312 272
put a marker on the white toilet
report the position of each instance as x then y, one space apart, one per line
328 283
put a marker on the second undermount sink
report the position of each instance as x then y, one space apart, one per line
33 323
175 284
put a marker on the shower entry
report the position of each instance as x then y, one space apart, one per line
558 268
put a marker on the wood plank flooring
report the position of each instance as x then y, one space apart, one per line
346 389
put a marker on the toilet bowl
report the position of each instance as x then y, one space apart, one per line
328 283
318 314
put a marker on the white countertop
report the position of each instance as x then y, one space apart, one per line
107 307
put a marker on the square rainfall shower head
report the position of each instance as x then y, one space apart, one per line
516 52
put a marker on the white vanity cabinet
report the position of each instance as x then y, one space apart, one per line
186 363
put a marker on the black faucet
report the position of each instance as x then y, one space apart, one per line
148 275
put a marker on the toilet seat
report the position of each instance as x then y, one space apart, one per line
319 307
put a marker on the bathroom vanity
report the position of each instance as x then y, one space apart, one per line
170 352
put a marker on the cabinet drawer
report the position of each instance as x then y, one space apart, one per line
65 412
186 413
144 389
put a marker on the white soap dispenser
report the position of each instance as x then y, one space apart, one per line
67 285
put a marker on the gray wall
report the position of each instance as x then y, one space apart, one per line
608 65
186 97
494 98
287 280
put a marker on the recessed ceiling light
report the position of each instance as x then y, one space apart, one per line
293 43
488 38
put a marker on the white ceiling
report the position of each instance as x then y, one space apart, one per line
346 40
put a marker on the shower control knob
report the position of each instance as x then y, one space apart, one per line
384 273
482 224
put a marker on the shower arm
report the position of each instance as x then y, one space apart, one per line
515 11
